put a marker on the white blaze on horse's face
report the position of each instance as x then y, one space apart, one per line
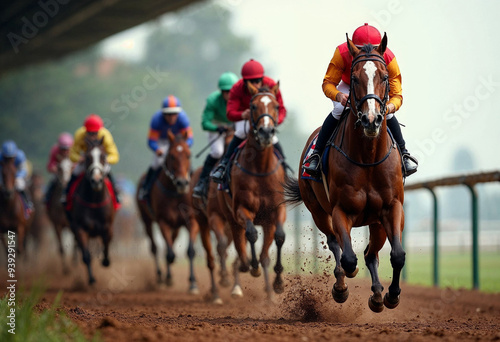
65 167
266 100
370 70
96 166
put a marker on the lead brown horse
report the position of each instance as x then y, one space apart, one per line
363 185
170 206
255 195
93 210
12 211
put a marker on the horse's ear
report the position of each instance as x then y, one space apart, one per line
353 50
185 135
252 89
101 140
171 136
276 88
383 45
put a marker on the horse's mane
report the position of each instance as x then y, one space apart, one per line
367 48
264 89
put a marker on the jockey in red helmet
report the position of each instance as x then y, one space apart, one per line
93 129
336 85
238 111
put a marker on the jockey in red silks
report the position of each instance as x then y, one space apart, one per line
336 86
238 111
58 152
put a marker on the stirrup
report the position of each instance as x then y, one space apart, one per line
408 171
314 169
199 189
218 175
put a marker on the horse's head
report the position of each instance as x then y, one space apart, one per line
95 163
64 171
369 85
8 180
264 112
177 165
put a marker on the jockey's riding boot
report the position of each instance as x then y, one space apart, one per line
143 191
201 187
218 175
314 159
410 163
278 147
113 184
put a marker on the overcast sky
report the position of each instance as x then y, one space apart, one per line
448 53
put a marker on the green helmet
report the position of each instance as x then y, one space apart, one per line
226 80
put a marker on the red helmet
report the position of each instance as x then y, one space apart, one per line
252 69
93 123
65 140
366 34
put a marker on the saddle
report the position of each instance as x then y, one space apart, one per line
74 186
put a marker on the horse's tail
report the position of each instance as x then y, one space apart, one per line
291 191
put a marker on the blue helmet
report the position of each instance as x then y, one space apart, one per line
171 105
9 149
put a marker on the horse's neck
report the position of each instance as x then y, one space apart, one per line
361 148
253 157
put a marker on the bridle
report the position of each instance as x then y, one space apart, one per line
358 103
253 123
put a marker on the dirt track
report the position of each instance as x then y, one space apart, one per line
127 305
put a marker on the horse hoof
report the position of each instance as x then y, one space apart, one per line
105 262
391 302
217 301
340 296
255 272
278 286
353 274
375 304
194 291
244 268
224 282
91 281
237 292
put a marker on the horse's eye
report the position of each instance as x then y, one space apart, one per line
355 80
253 107
385 78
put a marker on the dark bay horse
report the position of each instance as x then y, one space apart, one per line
12 211
55 210
93 211
171 206
364 184
210 216
255 194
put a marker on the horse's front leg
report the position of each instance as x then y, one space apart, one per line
348 259
340 291
246 217
193 229
377 240
207 244
82 240
106 240
58 228
394 225
168 235
279 238
269 234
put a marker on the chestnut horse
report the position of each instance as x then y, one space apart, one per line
55 208
255 195
364 184
12 211
93 211
210 217
170 206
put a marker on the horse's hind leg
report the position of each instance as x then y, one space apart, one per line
217 225
377 240
237 292
394 229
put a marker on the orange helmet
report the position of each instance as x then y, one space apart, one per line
252 69
93 123
366 34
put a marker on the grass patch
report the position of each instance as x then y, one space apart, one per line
34 324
